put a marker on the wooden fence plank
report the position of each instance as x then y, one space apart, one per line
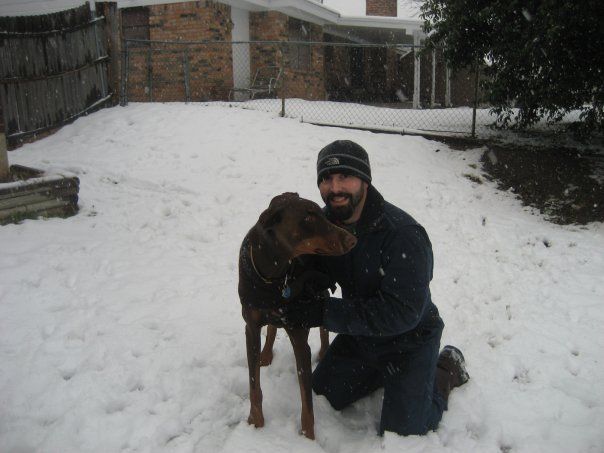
53 69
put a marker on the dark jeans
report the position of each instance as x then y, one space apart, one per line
352 369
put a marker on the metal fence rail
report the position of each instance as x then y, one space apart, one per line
385 87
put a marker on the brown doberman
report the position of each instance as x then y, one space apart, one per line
271 274
266 356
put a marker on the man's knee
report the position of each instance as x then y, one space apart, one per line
336 399
319 382
322 385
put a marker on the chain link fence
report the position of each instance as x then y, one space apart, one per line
382 87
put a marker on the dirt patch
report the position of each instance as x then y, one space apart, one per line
565 185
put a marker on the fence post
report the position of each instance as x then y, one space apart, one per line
433 93
112 27
283 78
475 103
124 84
186 70
416 69
150 73
3 158
447 86
97 41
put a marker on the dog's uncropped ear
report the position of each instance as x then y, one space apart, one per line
283 199
272 215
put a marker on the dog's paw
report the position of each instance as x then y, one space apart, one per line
309 433
256 418
266 358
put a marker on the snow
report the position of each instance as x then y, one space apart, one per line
34 7
452 121
349 114
347 7
406 9
120 327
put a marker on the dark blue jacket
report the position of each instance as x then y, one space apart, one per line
384 279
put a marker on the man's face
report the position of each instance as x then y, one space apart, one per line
344 195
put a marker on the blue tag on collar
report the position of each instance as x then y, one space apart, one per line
286 293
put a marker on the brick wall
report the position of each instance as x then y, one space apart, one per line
309 84
266 26
160 75
157 72
306 84
381 8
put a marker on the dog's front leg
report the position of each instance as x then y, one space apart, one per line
252 341
299 340
266 356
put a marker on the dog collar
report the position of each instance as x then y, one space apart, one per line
285 290
265 280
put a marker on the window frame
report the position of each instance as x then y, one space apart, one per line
299 55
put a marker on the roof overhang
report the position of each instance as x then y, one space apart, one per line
373 28
359 29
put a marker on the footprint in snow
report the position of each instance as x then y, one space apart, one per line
67 374
115 406
521 376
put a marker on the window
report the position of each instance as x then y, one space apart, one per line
299 54
135 24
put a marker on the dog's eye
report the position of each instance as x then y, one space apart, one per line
309 218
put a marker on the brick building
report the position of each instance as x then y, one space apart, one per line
210 71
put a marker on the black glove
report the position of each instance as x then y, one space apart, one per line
307 285
304 313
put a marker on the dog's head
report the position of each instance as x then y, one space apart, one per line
299 227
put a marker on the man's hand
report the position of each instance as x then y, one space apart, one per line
307 285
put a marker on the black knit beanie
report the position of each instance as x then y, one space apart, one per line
343 156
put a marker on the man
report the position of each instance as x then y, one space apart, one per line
388 328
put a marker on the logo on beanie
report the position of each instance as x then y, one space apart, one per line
332 161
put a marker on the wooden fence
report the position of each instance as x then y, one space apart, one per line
54 69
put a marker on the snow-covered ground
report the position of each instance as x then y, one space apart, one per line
348 114
120 328
437 121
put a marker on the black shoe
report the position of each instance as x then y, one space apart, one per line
452 361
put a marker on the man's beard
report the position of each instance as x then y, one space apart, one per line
343 212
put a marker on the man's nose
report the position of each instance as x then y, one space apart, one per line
334 185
